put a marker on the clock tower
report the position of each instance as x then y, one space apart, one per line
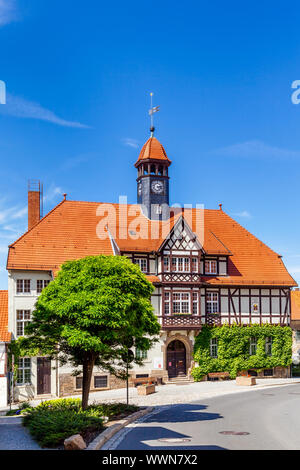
153 180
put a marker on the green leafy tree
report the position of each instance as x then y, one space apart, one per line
89 314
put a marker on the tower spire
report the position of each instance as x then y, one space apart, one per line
152 110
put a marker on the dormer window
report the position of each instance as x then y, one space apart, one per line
210 267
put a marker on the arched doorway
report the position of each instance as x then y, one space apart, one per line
176 359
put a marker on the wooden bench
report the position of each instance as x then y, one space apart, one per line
144 380
218 375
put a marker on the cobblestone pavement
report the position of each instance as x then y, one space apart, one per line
13 435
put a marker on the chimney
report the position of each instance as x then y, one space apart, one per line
35 197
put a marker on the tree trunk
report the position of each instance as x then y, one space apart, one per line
88 365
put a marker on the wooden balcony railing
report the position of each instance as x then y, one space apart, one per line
213 319
180 321
181 277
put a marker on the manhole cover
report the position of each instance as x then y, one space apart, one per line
174 440
268 394
234 433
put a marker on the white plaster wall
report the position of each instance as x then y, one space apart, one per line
3 392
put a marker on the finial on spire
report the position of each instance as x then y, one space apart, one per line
152 110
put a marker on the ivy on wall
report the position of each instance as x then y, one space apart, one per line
233 353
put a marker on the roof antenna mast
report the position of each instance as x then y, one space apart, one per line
152 110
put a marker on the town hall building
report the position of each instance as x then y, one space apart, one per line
206 269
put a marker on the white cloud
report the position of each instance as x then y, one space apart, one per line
130 142
255 149
244 214
52 194
21 108
8 11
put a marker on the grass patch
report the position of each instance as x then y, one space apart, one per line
51 422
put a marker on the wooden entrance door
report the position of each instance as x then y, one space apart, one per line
43 376
176 359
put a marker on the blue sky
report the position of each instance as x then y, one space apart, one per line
78 76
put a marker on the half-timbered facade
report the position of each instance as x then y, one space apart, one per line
206 269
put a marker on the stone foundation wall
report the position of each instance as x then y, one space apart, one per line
278 372
67 384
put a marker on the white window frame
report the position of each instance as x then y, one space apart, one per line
20 284
213 346
253 346
195 303
212 302
182 304
22 371
140 262
210 262
22 322
45 283
268 345
141 354
185 263
167 303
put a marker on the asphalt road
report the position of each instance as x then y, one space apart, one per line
268 419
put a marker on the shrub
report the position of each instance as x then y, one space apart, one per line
51 427
233 349
52 421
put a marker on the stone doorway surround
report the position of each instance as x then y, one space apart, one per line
189 347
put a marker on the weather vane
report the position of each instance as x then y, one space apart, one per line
152 110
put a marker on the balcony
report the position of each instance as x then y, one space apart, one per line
178 322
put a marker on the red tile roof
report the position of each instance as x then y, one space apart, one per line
5 336
70 231
153 150
295 305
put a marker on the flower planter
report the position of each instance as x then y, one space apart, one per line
243 380
146 389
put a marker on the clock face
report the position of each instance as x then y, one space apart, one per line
157 187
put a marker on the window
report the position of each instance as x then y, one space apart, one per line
100 381
166 263
210 267
181 302
195 303
194 265
268 372
24 371
214 347
212 302
142 262
23 286
41 284
23 318
78 383
141 354
167 303
268 346
181 264
253 346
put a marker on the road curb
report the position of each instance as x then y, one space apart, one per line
100 440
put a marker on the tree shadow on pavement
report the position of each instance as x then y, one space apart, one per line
183 413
